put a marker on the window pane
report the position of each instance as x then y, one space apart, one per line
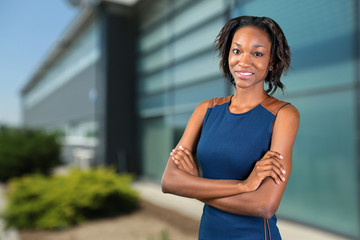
156 146
195 94
322 189
197 13
84 52
198 40
203 66
155 82
156 36
155 60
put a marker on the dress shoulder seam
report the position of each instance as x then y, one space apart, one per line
218 101
273 105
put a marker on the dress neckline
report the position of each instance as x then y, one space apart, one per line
239 114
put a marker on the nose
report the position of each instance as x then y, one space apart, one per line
245 60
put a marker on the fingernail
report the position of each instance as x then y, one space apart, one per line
283 171
283 178
181 147
281 157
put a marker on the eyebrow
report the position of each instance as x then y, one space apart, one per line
255 46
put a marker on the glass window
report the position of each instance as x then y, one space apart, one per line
159 100
155 82
198 40
199 67
84 52
155 153
178 4
195 94
156 60
197 13
322 189
152 11
159 34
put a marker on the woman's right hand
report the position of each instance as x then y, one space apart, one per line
183 159
268 166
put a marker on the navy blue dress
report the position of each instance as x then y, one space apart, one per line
230 144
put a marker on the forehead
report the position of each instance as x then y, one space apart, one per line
252 35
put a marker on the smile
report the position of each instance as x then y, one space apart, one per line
245 73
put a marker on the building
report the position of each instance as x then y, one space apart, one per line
125 79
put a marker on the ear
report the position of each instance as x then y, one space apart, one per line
271 64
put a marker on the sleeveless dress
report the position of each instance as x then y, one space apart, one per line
229 146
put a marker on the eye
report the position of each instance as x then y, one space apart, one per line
258 54
236 51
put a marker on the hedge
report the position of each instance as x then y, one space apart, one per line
24 151
40 202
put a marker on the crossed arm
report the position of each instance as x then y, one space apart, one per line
259 195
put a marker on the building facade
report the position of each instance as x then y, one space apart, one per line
87 76
127 79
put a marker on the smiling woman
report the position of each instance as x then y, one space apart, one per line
243 142
249 57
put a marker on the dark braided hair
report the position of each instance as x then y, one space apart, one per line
280 51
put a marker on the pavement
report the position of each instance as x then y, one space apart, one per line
152 193
6 234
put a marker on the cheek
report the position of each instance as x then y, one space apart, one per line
232 61
263 65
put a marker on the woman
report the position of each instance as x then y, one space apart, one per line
244 141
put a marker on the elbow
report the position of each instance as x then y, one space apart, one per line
268 210
166 185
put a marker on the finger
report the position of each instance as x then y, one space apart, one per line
277 163
188 152
271 174
274 154
181 158
276 170
177 163
184 157
275 177
261 169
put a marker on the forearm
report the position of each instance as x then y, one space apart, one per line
257 203
179 182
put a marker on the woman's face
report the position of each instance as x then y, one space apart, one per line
249 57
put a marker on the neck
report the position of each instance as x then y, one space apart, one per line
244 97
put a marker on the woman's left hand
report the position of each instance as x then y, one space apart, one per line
183 159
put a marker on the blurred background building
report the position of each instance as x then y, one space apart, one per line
126 76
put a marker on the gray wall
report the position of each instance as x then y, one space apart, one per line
68 103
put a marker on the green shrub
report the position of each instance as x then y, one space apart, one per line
39 202
25 151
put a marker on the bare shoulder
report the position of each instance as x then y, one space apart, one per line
288 116
193 128
200 111
285 130
289 112
203 106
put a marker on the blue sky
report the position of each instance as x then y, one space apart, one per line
28 31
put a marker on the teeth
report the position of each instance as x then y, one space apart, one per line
245 73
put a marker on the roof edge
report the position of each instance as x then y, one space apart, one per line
73 29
